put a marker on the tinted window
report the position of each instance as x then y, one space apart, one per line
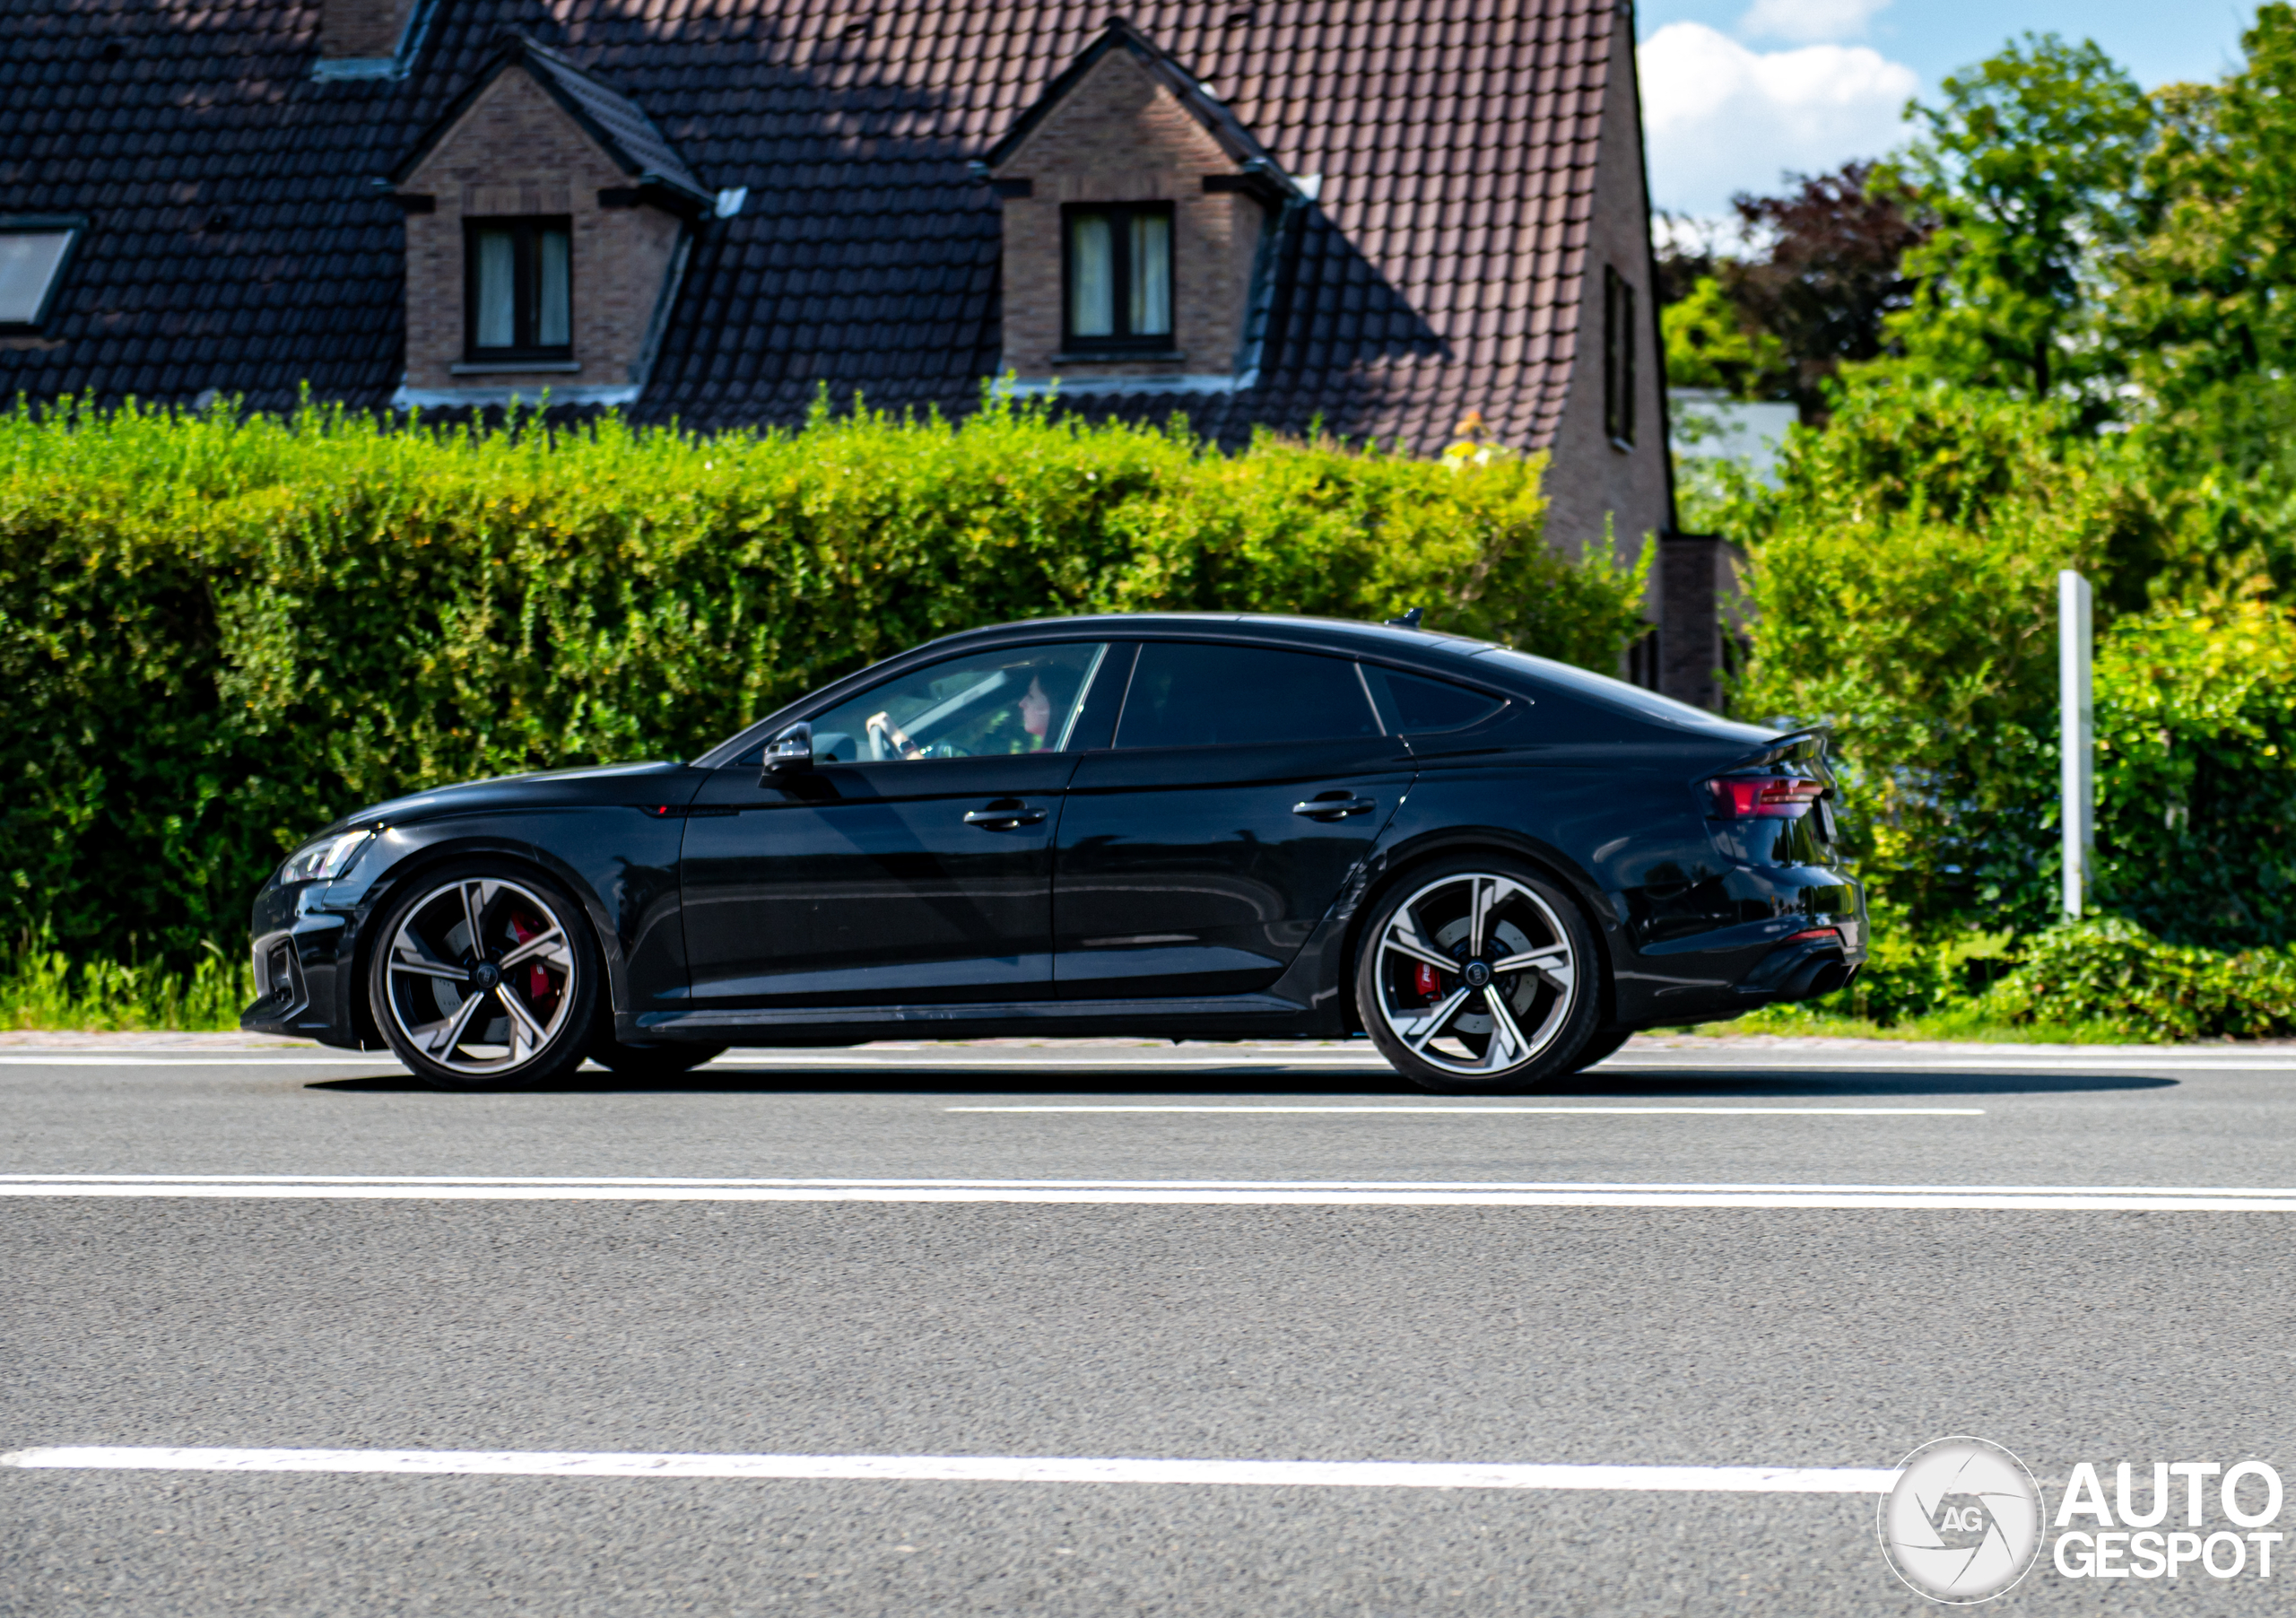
1186 695
1023 700
1413 703
1618 693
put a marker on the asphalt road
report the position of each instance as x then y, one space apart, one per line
1691 1259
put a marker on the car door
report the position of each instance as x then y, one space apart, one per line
912 863
1196 854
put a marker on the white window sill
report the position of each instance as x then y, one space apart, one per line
513 368
1122 356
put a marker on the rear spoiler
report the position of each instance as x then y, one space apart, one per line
1794 747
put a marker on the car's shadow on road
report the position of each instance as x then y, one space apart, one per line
1247 1082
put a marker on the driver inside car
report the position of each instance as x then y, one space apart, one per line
966 711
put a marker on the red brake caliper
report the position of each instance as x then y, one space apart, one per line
1424 978
537 980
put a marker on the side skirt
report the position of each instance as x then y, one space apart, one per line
1211 1017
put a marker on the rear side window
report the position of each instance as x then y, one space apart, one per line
1413 704
1189 695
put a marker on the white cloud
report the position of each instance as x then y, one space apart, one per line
1809 20
1719 118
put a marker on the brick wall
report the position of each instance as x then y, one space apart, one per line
1121 137
362 28
516 151
1699 590
1589 478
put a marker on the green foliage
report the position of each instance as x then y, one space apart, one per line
41 986
2111 973
1903 579
1710 344
2196 772
1904 586
2101 979
2203 304
2027 168
218 634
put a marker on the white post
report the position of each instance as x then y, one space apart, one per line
2077 733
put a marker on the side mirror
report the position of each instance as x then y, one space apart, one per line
792 748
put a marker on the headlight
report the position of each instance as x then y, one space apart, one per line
326 859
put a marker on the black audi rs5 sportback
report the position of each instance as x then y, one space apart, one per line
1188 826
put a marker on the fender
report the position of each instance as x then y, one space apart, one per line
629 893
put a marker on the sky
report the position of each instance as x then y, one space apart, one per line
1737 92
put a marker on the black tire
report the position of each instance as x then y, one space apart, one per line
485 976
1604 1042
1417 966
664 1061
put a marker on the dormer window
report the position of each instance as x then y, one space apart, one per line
33 253
1119 276
518 279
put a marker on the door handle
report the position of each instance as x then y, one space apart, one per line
1334 808
1004 819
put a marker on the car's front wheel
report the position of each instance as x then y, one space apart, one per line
485 978
1478 976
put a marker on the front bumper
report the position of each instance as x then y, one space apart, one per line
302 951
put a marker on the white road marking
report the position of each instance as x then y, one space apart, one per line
1408 1109
972 1468
252 1059
1364 1060
1167 1193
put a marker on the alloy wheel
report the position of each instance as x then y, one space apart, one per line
1475 974
480 977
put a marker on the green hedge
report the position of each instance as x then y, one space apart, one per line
217 634
1904 583
2101 977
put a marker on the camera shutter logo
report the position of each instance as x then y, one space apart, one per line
1964 1521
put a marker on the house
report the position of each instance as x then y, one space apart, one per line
1376 216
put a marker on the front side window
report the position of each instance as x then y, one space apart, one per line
519 289
1186 694
983 705
1119 277
33 252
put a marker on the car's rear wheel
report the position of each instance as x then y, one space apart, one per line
485 978
1477 976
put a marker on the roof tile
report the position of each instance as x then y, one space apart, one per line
1456 140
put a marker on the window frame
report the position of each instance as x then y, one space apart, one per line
1123 340
527 230
1618 380
74 227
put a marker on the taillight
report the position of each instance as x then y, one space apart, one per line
1741 798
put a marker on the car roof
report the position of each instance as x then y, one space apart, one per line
1484 661
1338 634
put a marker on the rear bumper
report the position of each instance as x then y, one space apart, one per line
1786 933
1802 969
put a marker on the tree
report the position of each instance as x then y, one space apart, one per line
2205 301
1834 273
1710 342
2029 169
